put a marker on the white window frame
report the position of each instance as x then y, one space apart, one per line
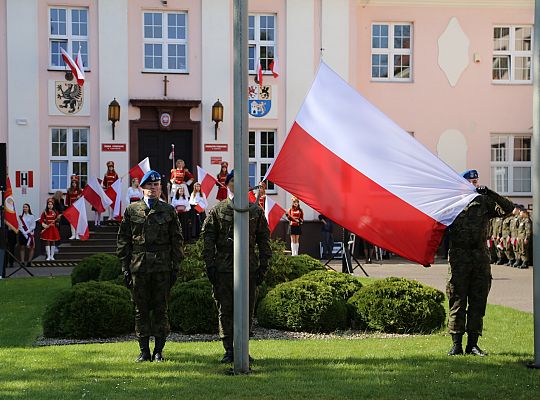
164 41
390 51
69 157
258 160
513 54
69 37
257 42
509 163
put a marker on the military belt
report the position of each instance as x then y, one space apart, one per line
152 248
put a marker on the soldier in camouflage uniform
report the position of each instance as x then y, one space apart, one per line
469 279
150 250
524 235
495 237
218 238
506 238
514 225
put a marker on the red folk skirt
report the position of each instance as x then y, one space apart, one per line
51 233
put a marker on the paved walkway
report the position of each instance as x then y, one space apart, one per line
511 287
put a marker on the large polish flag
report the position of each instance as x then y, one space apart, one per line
207 181
76 215
73 65
372 177
114 192
273 213
140 169
93 193
10 215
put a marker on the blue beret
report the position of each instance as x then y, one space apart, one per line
230 175
470 174
150 176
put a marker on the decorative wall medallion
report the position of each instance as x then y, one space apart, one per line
453 51
68 97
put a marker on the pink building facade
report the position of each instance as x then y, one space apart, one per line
455 74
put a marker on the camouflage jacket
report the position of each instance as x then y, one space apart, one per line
496 227
514 225
218 238
506 225
149 240
525 229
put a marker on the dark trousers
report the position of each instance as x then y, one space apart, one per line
150 294
184 218
197 220
327 243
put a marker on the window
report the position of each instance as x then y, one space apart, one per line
69 155
512 54
511 164
391 55
68 29
165 41
262 41
262 149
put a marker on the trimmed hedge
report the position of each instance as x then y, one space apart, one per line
192 308
343 285
89 310
192 266
303 305
97 267
398 305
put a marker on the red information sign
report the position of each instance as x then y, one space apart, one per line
216 147
215 160
113 147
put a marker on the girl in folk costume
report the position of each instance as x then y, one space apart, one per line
222 191
181 204
198 203
73 194
50 233
108 179
295 215
262 191
180 176
27 225
134 192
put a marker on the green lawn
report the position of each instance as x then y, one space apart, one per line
399 368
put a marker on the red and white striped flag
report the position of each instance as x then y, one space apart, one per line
258 73
114 192
378 181
10 215
140 169
94 194
79 62
207 181
274 67
77 73
76 215
273 213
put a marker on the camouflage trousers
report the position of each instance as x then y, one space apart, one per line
150 295
508 248
522 250
223 291
468 286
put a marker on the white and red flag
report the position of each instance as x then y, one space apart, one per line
114 192
258 73
207 181
373 178
93 193
140 169
274 67
10 215
76 215
77 72
273 213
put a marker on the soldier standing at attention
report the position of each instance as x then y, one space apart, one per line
218 239
506 238
469 280
150 250
524 237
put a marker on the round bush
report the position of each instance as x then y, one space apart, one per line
192 308
343 285
91 268
192 266
89 310
303 305
398 305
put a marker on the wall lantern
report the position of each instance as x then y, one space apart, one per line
217 114
114 114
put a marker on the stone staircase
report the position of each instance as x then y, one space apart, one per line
102 240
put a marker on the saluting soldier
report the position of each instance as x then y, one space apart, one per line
150 250
218 238
470 271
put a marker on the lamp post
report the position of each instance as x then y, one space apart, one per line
217 115
114 114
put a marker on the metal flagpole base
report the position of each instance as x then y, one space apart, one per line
231 371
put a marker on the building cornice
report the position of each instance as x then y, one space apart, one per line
451 3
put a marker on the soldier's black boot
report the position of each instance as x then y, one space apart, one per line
157 355
510 262
457 347
228 357
517 264
144 345
525 265
472 346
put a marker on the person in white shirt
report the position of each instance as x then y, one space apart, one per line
27 225
134 192
180 202
198 203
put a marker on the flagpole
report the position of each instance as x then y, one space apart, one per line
535 183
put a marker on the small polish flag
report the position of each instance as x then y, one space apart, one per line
258 73
199 209
114 192
76 215
77 73
251 196
207 181
273 213
94 194
274 67
140 169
